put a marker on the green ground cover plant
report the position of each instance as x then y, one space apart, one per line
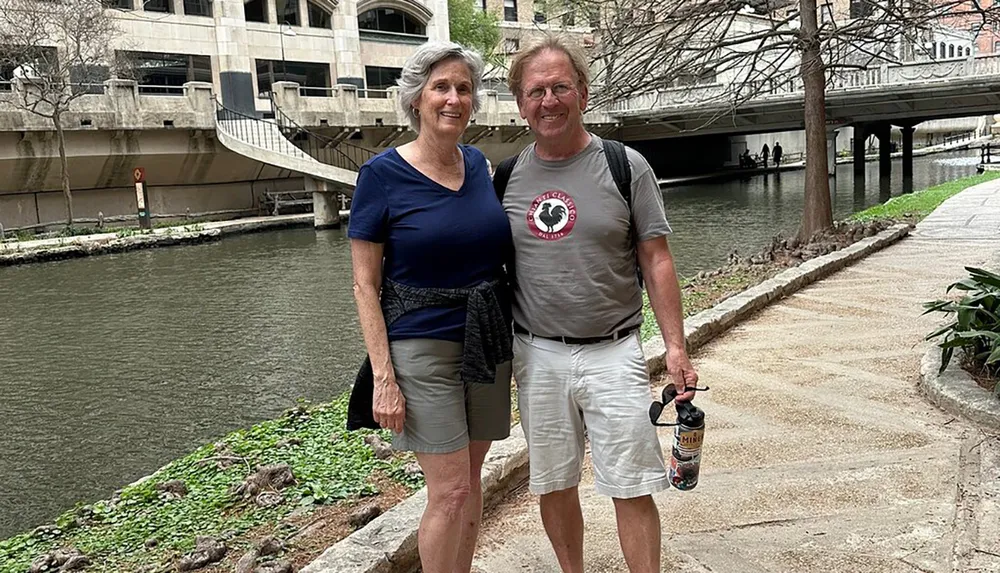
142 524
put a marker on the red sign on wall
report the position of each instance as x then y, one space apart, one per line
139 174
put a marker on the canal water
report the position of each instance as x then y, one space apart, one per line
112 366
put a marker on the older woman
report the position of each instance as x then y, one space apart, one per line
428 241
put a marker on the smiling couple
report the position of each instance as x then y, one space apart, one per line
460 284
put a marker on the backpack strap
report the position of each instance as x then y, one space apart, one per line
621 172
502 175
500 178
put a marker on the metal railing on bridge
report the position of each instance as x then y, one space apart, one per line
843 80
988 153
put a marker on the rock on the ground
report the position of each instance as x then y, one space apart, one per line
173 489
67 559
270 545
266 479
363 515
275 567
247 563
206 551
382 449
413 469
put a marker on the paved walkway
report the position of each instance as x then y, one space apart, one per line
820 453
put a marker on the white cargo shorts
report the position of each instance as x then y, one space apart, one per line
564 389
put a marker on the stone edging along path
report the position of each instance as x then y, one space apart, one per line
955 392
389 543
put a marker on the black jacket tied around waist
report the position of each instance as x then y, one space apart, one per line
487 343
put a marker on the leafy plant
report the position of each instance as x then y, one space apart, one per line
976 328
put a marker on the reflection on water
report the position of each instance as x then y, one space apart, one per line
711 219
114 365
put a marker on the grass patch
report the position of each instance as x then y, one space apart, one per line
913 207
699 295
329 464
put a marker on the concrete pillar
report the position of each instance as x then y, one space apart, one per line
831 152
884 134
326 204
860 139
287 98
907 131
347 45
235 66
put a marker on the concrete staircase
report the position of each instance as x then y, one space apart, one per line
265 141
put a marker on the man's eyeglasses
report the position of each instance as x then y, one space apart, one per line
558 90
666 397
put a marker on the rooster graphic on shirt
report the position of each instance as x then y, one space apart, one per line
552 215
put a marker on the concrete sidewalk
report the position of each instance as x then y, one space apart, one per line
820 454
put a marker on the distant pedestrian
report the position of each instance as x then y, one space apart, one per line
764 153
777 154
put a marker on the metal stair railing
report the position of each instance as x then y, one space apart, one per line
254 131
320 147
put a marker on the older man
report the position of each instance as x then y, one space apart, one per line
578 306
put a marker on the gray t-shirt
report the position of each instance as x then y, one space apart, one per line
575 263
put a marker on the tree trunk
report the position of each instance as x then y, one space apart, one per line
817 213
67 193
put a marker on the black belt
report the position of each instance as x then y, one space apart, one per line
585 340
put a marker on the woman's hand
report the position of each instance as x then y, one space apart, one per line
388 404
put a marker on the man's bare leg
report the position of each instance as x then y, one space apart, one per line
563 521
639 533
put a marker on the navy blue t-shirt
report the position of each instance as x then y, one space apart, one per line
433 236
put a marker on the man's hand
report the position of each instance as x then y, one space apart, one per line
682 372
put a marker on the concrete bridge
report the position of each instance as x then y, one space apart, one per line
871 101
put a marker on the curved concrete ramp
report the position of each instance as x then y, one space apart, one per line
263 141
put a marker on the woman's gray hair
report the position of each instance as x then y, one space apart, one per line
417 70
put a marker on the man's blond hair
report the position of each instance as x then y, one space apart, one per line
535 47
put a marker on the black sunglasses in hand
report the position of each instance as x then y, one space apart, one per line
666 397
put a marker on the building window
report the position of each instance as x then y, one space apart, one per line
510 10
943 50
157 6
88 79
159 73
511 45
306 74
860 8
255 11
390 20
968 52
951 50
287 11
319 18
120 4
198 8
377 78
594 16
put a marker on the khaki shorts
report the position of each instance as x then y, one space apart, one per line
442 413
603 388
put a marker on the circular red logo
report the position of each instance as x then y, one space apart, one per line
552 215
